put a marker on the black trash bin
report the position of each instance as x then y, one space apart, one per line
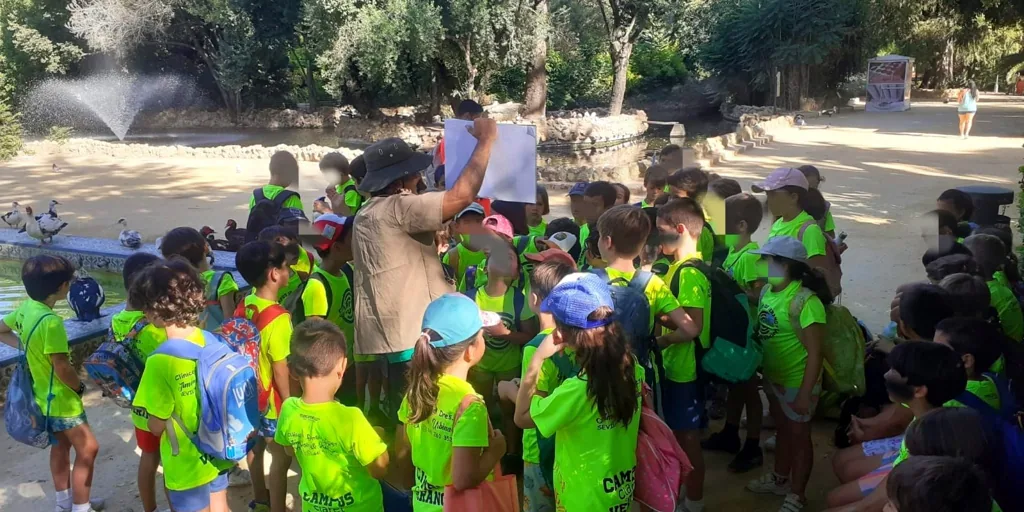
988 200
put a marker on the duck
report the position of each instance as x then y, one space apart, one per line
235 236
52 212
42 227
129 237
14 218
215 244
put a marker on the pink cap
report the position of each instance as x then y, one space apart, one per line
500 225
781 177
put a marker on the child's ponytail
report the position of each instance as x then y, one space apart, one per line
426 367
811 278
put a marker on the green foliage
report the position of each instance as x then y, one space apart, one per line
656 62
34 43
10 132
60 135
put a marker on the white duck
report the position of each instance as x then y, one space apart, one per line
129 238
14 218
52 212
43 227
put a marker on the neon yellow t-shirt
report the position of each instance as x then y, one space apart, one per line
466 259
147 340
830 223
658 294
501 355
539 229
706 244
341 312
333 445
271 191
546 382
353 199
595 461
584 235
227 284
813 239
661 266
785 358
303 266
168 387
433 439
47 339
694 292
275 346
742 265
1010 317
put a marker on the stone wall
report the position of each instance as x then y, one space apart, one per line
620 163
91 147
751 130
592 127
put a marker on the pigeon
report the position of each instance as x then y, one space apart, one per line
14 218
129 237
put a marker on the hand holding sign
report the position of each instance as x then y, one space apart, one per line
512 170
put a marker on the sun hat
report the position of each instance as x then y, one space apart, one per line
576 297
500 225
781 177
551 255
578 189
564 240
785 247
476 208
389 160
332 228
454 318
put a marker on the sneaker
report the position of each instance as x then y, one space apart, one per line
96 504
767 484
719 442
747 459
238 477
793 503
259 507
769 444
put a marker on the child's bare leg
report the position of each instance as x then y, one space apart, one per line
689 441
148 464
60 462
86 450
260 494
278 480
219 501
362 372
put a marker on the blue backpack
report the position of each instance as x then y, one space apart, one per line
1007 433
227 391
116 368
213 316
25 422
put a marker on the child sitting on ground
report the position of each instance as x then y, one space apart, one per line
937 484
220 287
58 389
990 255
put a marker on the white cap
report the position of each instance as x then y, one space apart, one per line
563 240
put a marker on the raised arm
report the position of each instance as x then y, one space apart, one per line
466 188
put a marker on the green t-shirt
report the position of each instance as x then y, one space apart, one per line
785 358
742 265
168 387
47 339
1010 317
353 199
146 341
659 296
584 235
546 382
342 310
271 191
275 346
304 266
539 229
466 259
694 292
227 284
813 239
502 355
433 439
830 223
595 462
706 244
333 444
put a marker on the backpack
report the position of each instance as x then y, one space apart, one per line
212 316
271 212
633 311
297 307
833 269
842 348
661 464
732 354
226 387
518 303
1006 428
116 368
23 419
243 336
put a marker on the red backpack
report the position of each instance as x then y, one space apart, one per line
243 336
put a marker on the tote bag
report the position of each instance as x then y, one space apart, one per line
498 495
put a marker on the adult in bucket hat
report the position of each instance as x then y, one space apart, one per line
397 271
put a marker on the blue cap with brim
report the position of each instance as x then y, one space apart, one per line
455 318
576 297
578 189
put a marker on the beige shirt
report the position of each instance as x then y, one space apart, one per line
397 270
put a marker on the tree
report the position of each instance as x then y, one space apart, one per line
537 73
33 44
10 132
624 21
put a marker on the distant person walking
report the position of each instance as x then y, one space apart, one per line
967 106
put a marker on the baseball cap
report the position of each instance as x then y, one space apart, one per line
476 208
576 297
563 240
578 189
551 255
454 318
783 246
500 225
781 177
332 229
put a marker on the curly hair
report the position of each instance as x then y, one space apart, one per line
170 291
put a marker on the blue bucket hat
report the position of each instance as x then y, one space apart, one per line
85 297
576 297
455 318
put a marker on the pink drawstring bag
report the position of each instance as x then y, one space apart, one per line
498 495
661 464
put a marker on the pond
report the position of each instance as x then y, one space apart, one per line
12 292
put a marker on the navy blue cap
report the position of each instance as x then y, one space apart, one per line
576 297
578 189
455 318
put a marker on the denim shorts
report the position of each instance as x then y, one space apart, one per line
683 404
268 427
197 498
57 424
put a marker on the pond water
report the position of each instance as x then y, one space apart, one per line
12 292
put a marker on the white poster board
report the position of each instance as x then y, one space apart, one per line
889 81
512 170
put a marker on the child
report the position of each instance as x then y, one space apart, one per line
553 265
171 296
743 215
567 226
939 230
284 173
979 345
535 213
937 484
990 255
594 414
814 180
264 265
671 156
598 198
791 328
190 244
335 168
465 229
340 454
444 451
960 204
299 260
58 389
576 206
655 181
692 182
725 188
621 194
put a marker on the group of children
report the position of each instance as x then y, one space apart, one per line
536 339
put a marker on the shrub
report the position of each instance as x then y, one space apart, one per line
10 133
60 134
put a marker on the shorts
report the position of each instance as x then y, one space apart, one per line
196 498
888 448
683 404
268 427
537 496
58 424
869 482
786 396
147 442
482 378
